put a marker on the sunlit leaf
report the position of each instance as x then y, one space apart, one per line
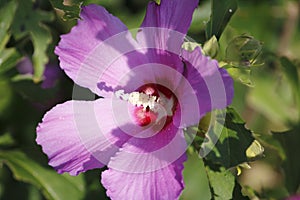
221 13
255 150
232 140
242 166
211 47
29 22
52 185
71 11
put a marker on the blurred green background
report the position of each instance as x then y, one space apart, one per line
266 96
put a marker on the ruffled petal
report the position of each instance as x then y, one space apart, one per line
131 70
150 150
212 86
77 136
168 75
164 184
92 45
166 25
174 14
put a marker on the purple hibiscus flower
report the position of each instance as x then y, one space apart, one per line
152 90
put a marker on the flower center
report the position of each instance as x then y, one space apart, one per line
153 103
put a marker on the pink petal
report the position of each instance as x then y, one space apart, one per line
166 25
92 45
168 75
132 69
174 14
165 183
78 135
211 86
146 152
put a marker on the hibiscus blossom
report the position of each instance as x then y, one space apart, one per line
152 90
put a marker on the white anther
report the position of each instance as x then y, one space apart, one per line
154 103
142 99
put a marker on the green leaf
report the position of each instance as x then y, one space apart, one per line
290 140
157 1
231 139
211 47
255 150
34 92
237 192
221 12
71 11
272 100
270 142
29 22
243 75
5 97
52 185
7 13
8 57
223 184
291 73
241 55
6 140
243 51
195 178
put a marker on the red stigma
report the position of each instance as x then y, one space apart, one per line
144 117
